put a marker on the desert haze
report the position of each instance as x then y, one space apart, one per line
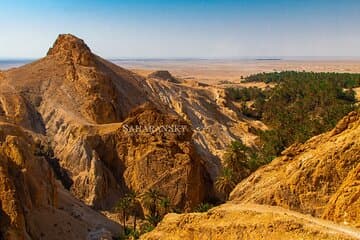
214 71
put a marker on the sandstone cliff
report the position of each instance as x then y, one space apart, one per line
215 120
33 205
320 177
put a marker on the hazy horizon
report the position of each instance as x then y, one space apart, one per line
240 58
184 29
299 63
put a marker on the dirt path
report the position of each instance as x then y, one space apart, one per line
333 227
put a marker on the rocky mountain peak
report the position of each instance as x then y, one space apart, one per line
69 48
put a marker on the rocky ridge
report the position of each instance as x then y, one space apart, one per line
319 177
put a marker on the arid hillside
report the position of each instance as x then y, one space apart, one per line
318 178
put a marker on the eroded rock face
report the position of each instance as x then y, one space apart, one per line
81 104
127 157
26 182
215 120
17 109
320 177
32 204
165 159
344 205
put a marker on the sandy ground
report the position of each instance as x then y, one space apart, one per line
217 71
357 92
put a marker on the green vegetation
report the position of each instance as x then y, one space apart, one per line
236 159
157 205
239 162
344 80
226 181
250 96
203 207
299 106
245 94
129 205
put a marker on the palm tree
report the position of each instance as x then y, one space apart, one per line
153 220
236 158
134 203
151 199
121 207
165 205
203 207
225 182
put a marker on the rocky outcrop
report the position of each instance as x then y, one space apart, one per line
319 177
18 110
233 221
213 117
164 158
149 150
32 204
15 185
344 205
163 75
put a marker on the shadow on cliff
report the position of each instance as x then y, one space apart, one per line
60 173
4 222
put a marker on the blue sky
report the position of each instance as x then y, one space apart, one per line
166 29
